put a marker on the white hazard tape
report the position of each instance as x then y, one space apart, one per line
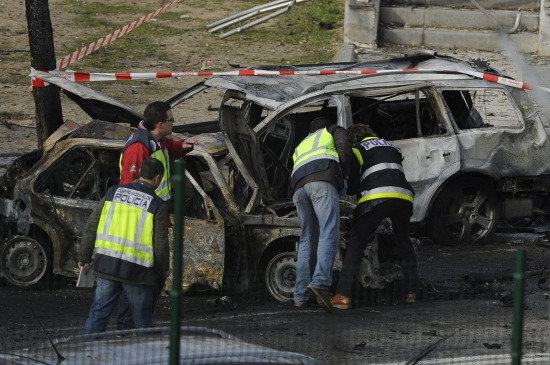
109 38
86 76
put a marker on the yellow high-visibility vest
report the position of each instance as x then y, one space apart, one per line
144 137
318 145
125 229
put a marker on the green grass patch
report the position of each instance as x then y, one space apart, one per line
102 8
15 55
315 28
13 115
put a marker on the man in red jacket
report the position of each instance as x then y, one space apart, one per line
151 139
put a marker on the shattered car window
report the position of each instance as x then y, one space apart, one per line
483 108
280 140
398 116
81 174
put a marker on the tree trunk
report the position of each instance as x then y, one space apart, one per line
47 100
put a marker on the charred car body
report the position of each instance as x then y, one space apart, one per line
474 151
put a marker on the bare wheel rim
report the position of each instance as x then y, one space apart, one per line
280 276
469 215
24 261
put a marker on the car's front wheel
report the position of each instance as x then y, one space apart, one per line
25 262
464 212
280 276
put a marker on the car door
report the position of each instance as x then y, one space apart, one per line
411 118
204 235
263 144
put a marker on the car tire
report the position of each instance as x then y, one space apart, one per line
280 276
26 262
465 212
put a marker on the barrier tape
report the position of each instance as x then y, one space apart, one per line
86 76
109 38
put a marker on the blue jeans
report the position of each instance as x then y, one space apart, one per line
124 319
318 209
105 298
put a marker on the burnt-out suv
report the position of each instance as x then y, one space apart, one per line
475 151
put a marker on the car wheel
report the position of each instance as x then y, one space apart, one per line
465 212
280 276
25 261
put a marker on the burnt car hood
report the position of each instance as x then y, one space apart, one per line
94 103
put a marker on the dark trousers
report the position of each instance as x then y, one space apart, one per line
125 316
399 211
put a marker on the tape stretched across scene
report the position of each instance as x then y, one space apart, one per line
109 38
86 76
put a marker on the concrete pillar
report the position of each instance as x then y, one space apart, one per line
361 22
544 28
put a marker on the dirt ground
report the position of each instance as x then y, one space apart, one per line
175 41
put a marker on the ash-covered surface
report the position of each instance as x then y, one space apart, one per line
466 296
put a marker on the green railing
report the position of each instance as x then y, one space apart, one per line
177 257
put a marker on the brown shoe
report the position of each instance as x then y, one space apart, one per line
302 304
323 297
409 298
340 301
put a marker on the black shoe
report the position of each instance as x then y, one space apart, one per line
323 297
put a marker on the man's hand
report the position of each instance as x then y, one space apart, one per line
188 143
84 265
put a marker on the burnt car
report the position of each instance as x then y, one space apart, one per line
47 196
475 151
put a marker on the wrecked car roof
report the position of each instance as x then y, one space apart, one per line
211 143
271 91
94 103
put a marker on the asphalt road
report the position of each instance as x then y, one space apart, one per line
467 310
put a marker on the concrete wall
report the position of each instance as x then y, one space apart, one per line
361 22
544 28
446 23
487 4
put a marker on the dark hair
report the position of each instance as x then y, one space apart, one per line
151 167
154 113
318 123
359 131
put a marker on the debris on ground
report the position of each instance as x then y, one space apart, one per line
492 346
225 300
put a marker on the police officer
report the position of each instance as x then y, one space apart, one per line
129 235
151 139
321 163
383 192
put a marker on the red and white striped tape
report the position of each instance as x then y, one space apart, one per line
109 38
86 76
